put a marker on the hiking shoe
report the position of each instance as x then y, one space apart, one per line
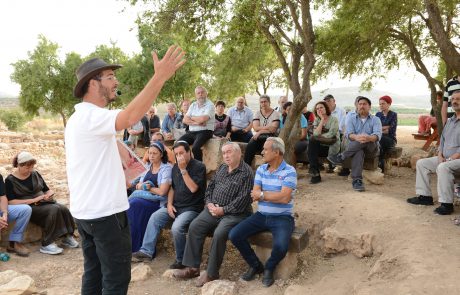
421 200
70 242
444 209
51 249
140 256
186 273
344 172
358 185
335 159
315 179
19 249
268 279
177 265
251 273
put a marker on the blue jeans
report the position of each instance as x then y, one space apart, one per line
281 227
179 228
148 196
21 215
106 245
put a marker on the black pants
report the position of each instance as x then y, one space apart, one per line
254 147
197 139
106 245
386 143
316 150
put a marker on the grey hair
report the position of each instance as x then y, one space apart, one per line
201 87
235 146
171 104
277 144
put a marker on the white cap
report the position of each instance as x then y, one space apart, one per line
24 157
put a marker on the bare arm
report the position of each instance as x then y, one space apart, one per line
164 69
281 197
445 104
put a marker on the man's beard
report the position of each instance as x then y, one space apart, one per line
107 94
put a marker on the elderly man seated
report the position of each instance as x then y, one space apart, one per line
364 132
274 187
445 165
241 117
228 201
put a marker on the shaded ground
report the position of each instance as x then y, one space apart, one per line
413 250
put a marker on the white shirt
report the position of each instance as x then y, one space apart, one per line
207 109
94 171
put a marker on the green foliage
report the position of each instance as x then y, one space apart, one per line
13 118
45 81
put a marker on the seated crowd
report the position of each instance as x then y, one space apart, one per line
174 191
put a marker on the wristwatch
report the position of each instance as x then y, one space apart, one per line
183 172
261 196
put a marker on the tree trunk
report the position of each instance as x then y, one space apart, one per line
64 119
434 22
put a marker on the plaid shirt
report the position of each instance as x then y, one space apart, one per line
232 191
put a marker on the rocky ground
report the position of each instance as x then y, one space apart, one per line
360 243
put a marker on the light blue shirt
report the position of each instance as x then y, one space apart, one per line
274 181
168 123
303 122
340 114
371 125
240 118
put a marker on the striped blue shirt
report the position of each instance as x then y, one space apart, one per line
268 181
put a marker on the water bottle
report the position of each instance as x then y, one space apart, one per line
4 256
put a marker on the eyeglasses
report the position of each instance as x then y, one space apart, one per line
110 78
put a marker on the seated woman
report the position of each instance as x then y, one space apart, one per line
321 143
426 122
223 123
389 121
26 186
151 193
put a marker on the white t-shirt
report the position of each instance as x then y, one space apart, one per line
94 171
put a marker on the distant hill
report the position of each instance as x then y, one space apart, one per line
8 101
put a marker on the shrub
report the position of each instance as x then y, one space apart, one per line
13 118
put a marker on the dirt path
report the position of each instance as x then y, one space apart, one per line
411 250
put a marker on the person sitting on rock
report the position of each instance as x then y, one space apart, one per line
302 144
185 202
228 201
26 186
241 117
223 123
274 186
363 131
158 136
389 120
20 215
445 165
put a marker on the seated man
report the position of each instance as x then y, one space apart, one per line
185 202
228 201
200 120
168 121
158 136
363 131
274 187
154 120
135 131
180 128
241 117
445 165
20 214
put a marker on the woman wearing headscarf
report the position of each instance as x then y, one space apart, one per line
27 186
389 121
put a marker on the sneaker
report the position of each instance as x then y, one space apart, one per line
344 172
70 242
177 265
335 159
421 200
358 185
51 249
140 256
444 209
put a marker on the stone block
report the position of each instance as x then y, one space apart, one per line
212 154
373 176
140 272
32 234
285 268
219 287
20 285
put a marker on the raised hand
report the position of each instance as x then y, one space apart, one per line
169 64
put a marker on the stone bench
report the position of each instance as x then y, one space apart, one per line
33 233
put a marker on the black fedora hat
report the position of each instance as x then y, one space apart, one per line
88 70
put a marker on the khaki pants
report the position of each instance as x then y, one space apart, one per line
445 172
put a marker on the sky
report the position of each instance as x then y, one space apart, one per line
81 25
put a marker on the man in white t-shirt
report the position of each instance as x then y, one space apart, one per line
98 199
200 119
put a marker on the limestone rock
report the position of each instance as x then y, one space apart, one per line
361 245
219 287
4 146
373 176
7 275
212 154
21 285
32 234
169 273
140 272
